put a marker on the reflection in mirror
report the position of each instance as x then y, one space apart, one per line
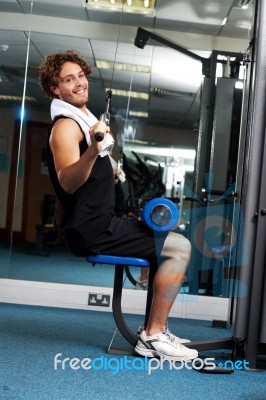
12 98
173 134
214 222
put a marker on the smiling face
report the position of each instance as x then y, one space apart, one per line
73 86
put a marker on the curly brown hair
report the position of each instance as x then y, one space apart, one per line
50 69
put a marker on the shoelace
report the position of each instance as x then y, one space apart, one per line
174 339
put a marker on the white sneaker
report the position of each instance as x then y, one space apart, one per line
164 346
174 338
141 285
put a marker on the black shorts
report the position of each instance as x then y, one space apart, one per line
128 237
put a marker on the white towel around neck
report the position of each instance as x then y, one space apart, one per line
60 107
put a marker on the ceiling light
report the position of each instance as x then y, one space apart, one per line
4 47
127 93
139 114
245 4
171 93
146 7
239 85
224 21
122 66
161 151
4 97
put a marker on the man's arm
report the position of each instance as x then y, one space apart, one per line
73 170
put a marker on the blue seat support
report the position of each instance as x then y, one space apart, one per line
120 264
117 260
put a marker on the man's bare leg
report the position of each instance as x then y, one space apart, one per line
154 340
167 281
144 273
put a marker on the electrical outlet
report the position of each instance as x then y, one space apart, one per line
98 299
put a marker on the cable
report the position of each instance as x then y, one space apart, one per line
105 117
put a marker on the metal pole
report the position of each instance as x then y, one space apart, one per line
255 189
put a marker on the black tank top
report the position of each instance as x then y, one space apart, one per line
90 209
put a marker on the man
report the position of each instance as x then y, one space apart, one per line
82 175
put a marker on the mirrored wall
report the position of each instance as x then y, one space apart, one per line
183 144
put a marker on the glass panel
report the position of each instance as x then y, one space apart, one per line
12 73
177 156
